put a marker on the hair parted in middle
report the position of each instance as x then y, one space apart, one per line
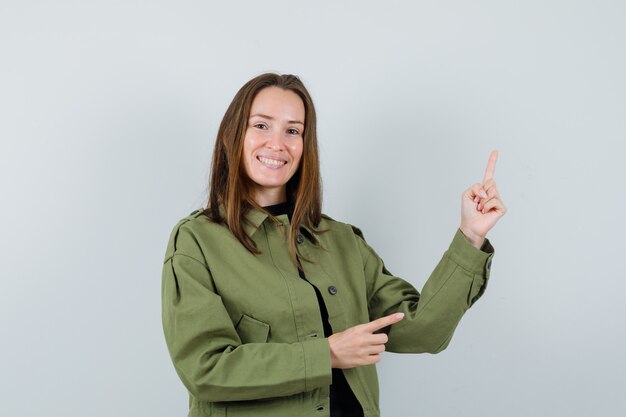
231 187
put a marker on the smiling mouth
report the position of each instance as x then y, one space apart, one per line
271 162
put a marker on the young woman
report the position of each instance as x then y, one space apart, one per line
271 308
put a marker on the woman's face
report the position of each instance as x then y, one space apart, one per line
273 143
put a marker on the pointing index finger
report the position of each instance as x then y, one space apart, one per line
385 321
491 166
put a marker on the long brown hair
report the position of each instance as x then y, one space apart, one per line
230 185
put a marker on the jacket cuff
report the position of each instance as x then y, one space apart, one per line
318 372
469 257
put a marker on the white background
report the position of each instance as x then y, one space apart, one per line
109 111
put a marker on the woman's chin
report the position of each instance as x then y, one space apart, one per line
265 180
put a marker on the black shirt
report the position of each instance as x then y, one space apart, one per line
343 402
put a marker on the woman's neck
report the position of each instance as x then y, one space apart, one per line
270 196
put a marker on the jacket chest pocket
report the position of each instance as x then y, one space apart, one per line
251 330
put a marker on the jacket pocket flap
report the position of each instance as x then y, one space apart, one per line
251 330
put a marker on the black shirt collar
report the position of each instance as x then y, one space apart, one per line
285 207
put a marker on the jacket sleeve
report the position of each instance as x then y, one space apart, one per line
206 350
430 318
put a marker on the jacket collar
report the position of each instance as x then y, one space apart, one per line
255 218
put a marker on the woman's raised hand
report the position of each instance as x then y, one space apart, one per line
481 206
359 345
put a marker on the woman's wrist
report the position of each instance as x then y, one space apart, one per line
474 239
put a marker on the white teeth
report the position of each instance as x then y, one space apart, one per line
271 161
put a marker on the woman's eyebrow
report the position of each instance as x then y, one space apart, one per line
271 118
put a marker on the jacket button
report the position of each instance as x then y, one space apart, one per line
332 289
299 238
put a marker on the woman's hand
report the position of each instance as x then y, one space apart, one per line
481 206
359 345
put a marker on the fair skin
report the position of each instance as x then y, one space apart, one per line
272 151
481 206
273 143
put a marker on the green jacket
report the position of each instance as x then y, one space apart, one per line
245 333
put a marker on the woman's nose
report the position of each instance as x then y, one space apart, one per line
275 141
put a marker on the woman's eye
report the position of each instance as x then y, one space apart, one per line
260 125
292 131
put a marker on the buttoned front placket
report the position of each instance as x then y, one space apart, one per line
336 302
304 303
